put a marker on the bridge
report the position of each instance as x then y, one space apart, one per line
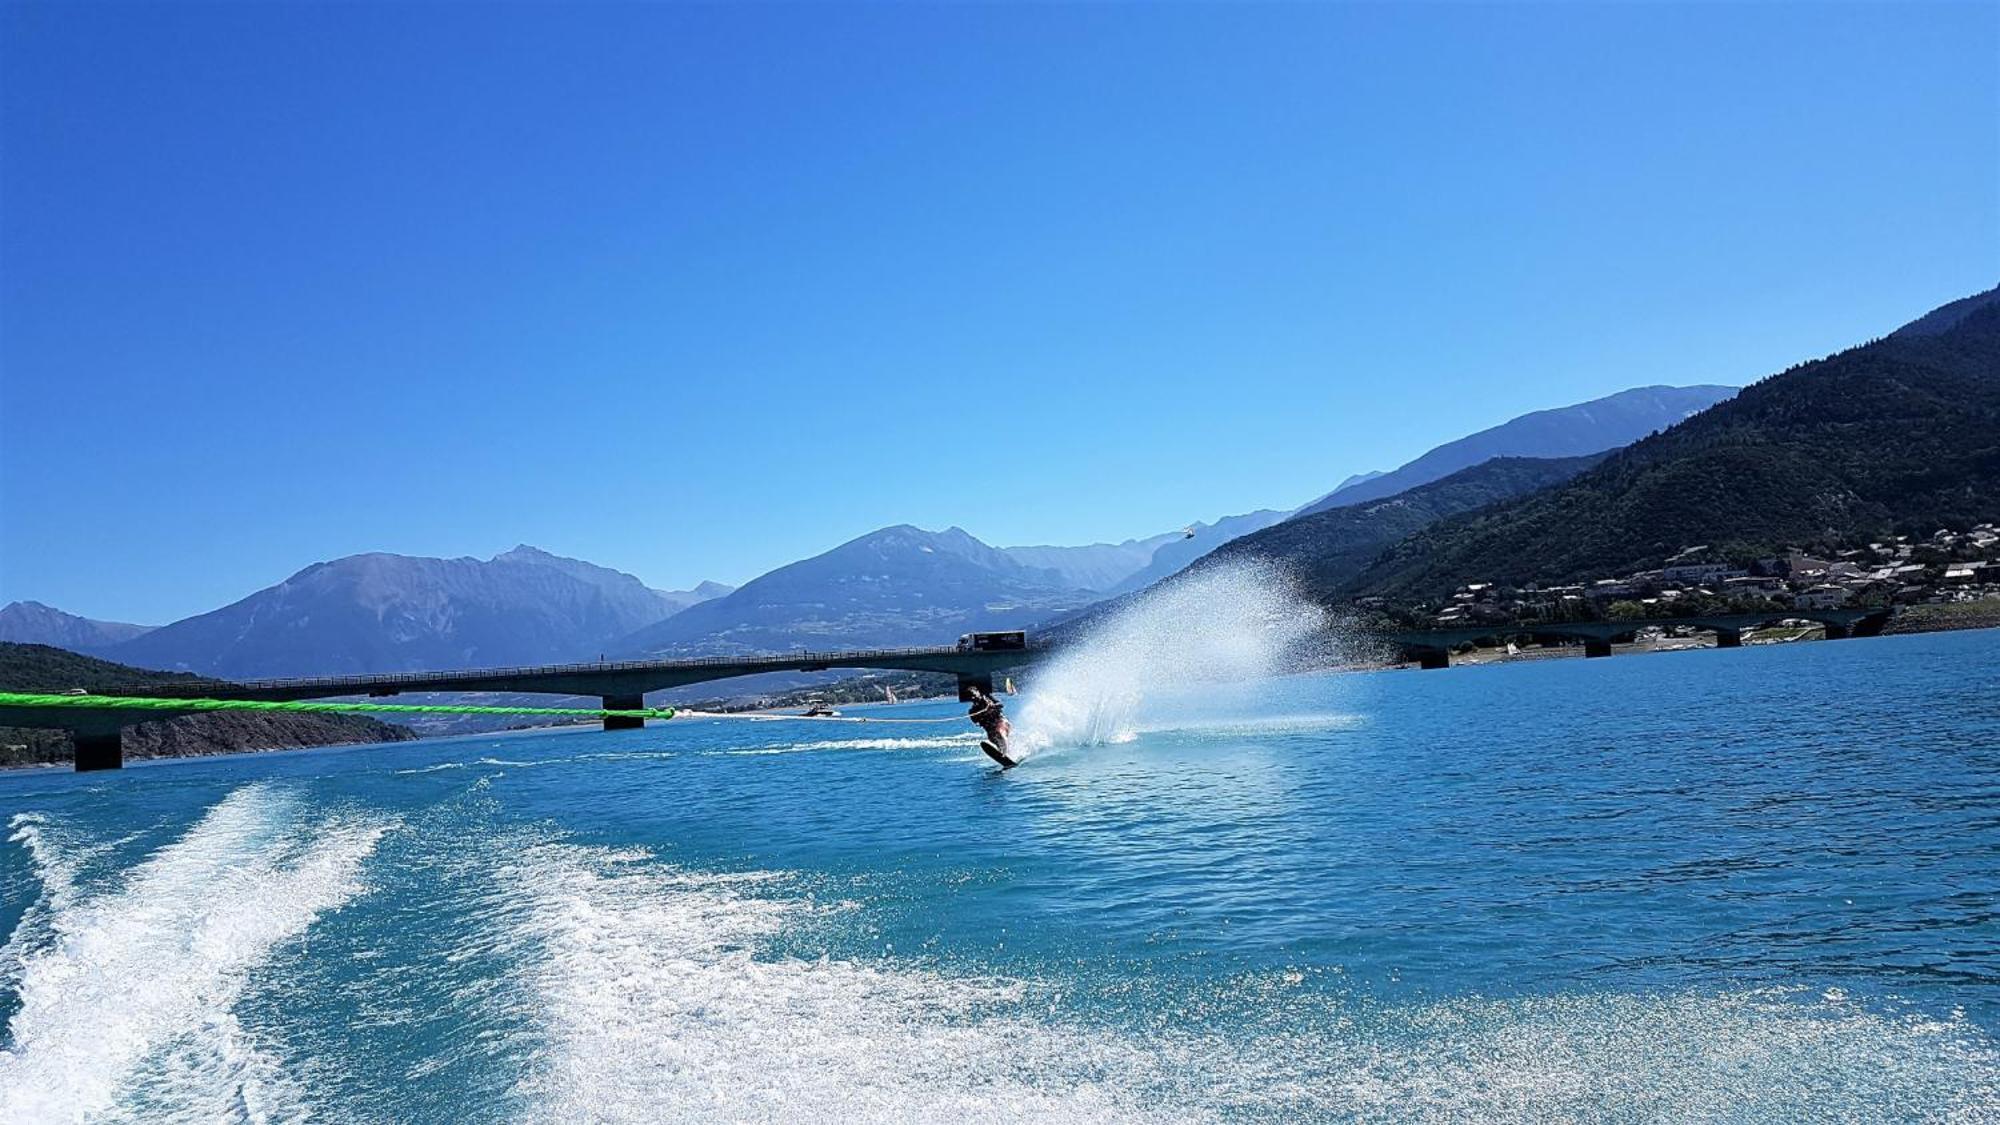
1431 648
622 685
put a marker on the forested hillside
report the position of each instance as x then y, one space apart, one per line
1901 434
41 668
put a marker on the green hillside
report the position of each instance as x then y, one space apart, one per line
47 668
1327 549
1898 435
41 668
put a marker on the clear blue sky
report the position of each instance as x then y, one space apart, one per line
697 291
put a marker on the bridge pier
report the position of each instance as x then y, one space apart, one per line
98 751
1837 632
1593 646
1433 658
1729 638
623 703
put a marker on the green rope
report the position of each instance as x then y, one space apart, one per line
137 703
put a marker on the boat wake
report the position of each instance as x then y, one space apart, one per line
654 1005
575 982
127 994
656 999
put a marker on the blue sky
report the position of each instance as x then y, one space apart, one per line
697 291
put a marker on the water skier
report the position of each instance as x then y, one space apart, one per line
986 714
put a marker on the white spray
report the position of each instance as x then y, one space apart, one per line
1241 622
128 994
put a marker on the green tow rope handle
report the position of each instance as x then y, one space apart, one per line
138 703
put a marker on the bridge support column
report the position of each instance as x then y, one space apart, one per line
1433 658
1729 638
1837 632
100 751
1595 647
623 703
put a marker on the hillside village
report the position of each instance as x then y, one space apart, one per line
1947 567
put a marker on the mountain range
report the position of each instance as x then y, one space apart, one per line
1098 566
1326 550
896 586
1897 433
1180 551
35 623
382 613
1566 431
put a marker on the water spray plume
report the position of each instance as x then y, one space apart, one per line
1236 623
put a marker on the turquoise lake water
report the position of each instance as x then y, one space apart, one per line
1749 885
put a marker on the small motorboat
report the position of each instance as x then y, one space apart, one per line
820 709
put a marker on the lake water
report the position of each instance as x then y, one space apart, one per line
1749 885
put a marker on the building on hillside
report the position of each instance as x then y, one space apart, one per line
1754 583
1696 573
1826 596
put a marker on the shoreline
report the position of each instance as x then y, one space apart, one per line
1949 618
1910 621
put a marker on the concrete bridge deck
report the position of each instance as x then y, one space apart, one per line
1432 647
622 685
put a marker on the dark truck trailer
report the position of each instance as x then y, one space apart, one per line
1015 641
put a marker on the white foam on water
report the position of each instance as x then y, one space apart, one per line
654 1002
57 859
1231 624
938 743
655 1007
127 1006
1224 727
1758 1056
624 756
609 756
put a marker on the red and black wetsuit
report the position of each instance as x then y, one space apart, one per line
986 714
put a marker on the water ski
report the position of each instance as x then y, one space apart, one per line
995 753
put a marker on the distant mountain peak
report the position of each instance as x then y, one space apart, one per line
30 622
1893 436
1564 431
530 555
895 585
378 612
